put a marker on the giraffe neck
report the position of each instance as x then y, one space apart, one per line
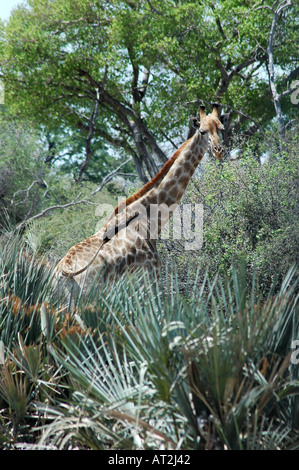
172 187
173 180
152 183
148 188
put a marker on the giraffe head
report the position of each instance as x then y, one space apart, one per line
210 126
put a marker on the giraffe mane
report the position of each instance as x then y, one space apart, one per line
147 187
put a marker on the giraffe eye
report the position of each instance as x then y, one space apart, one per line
202 132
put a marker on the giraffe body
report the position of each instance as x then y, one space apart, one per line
128 240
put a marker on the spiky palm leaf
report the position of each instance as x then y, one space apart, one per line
211 368
140 366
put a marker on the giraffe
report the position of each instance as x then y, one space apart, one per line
126 241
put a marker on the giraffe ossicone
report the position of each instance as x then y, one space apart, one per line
128 239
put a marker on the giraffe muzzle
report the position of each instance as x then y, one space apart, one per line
218 151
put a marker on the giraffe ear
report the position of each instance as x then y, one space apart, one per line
195 124
215 108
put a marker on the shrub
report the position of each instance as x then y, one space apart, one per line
138 366
249 211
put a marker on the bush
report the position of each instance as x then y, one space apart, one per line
29 186
137 367
21 165
249 211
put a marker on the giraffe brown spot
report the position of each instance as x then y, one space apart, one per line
184 179
140 257
123 251
138 243
162 196
173 193
188 154
168 185
188 167
130 258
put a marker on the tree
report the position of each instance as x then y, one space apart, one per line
58 46
279 8
131 73
22 173
30 190
66 148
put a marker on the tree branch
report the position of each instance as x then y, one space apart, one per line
75 201
110 176
89 151
51 208
288 92
276 97
226 76
27 191
154 10
132 120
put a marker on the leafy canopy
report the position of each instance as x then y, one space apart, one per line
143 62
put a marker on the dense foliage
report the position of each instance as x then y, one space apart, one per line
249 211
142 368
130 73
